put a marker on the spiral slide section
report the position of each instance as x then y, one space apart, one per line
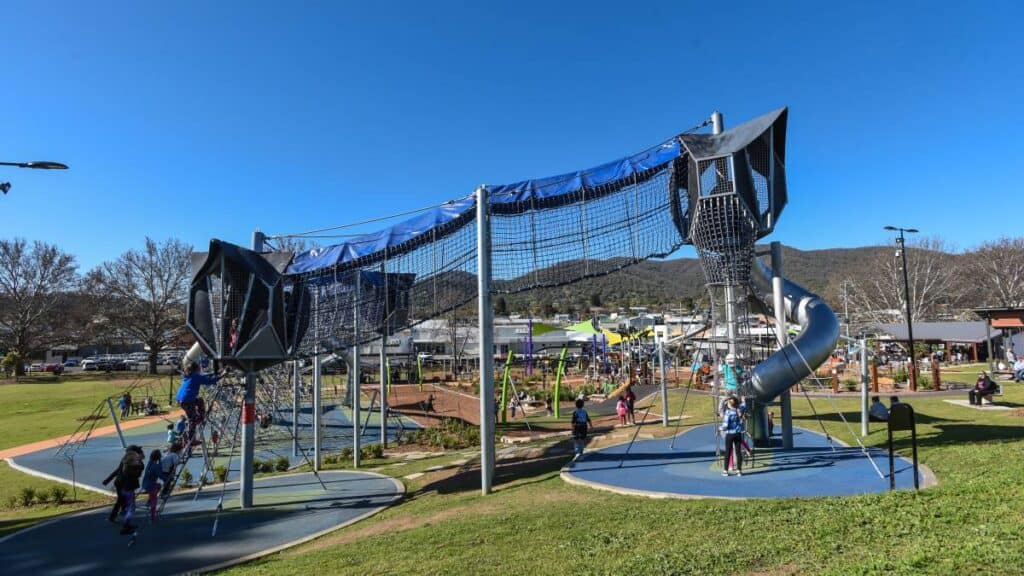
819 332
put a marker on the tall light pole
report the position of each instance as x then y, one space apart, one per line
901 241
5 187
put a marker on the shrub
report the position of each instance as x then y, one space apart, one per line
346 454
451 434
27 496
220 473
372 451
42 497
10 363
899 375
12 501
281 464
186 477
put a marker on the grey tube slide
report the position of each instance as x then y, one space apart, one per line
818 336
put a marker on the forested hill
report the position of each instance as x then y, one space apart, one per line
681 281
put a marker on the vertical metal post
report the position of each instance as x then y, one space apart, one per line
781 334
354 372
317 406
486 339
664 389
865 382
717 125
248 441
912 374
384 363
988 344
383 390
117 425
716 122
297 397
245 484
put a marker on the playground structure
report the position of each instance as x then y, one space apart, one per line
720 192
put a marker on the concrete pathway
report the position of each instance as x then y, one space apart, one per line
288 510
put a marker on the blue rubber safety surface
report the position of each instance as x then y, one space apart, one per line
812 468
287 509
99 456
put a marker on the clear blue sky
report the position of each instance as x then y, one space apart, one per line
208 119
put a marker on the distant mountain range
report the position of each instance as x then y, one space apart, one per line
680 282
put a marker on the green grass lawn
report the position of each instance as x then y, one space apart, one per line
46 407
537 524
14 516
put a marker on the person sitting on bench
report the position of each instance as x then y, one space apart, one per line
1018 370
984 387
877 412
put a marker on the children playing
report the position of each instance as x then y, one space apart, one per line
151 482
620 409
126 482
732 426
168 466
581 425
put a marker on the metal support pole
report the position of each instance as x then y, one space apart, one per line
248 441
988 344
664 389
117 425
781 334
317 408
383 391
716 122
356 396
296 398
486 339
865 382
912 374
717 125
245 484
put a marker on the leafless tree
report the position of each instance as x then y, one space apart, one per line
295 244
876 295
34 285
995 272
456 324
144 293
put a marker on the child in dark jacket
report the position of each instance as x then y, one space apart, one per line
732 427
126 481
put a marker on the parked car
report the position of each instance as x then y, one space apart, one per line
89 365
71 364
53 368
35 367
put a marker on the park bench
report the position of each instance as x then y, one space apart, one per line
139 408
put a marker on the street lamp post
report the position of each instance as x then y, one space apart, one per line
912 375
5 187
